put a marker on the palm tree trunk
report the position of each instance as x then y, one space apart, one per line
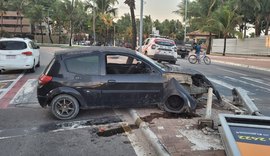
224 49
59 39
257 26
267 25
71 33
209 47
1 23
20 22
41 31
134 31
17 21
49 32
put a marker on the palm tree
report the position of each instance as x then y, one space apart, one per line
104 10
224 20
131 4
200 11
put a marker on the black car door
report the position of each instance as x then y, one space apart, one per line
130 82
84 71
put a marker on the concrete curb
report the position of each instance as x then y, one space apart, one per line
242 65
149 135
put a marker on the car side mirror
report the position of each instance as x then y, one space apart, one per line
38 47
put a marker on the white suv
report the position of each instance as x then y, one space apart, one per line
160 49
18 53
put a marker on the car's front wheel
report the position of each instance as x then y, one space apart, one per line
65 107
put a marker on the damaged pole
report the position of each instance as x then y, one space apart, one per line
241 97
207 121
209 103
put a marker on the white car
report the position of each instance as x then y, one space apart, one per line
18 53
160 49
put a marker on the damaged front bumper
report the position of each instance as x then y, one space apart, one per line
185 86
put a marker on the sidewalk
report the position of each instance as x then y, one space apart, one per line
253 62
180 135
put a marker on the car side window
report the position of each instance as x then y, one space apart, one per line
85 65
124 64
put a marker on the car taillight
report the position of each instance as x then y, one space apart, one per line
44 79
153 46
27 53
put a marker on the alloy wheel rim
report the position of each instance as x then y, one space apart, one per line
64 107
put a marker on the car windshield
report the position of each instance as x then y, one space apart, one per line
156 64
12 45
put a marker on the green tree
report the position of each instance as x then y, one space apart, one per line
3 9
224 20
103 12
131 4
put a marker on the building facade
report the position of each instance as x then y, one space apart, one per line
14 23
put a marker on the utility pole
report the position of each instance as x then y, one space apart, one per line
94 22
141 26
185 20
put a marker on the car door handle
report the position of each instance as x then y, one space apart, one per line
111 81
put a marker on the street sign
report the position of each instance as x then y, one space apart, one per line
244 135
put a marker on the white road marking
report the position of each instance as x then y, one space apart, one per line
224 84
260 81
7 80
232 72
25 92
247 83
10 86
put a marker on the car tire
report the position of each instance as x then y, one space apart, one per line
38 64
172 62
65 107
33 69
183 56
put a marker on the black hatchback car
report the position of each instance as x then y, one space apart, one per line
110 77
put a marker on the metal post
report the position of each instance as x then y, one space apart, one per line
185 20
94 22
114 35
141 26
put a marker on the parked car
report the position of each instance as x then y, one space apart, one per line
18 53
181 49
114 77
160 49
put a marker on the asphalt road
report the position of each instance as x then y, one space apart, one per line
27 129
226 77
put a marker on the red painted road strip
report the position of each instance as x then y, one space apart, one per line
4 101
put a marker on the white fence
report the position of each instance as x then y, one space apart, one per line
248 46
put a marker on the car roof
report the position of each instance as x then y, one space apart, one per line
15 39
88 50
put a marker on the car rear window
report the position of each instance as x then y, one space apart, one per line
164 42
85 65
12 45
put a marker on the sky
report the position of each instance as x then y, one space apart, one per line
158 9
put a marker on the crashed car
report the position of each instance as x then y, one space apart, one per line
110 77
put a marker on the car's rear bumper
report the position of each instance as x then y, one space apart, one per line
164 57
15 65
43 100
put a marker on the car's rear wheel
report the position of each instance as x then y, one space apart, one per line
33 69
172 62
65 107
38 64
183 56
